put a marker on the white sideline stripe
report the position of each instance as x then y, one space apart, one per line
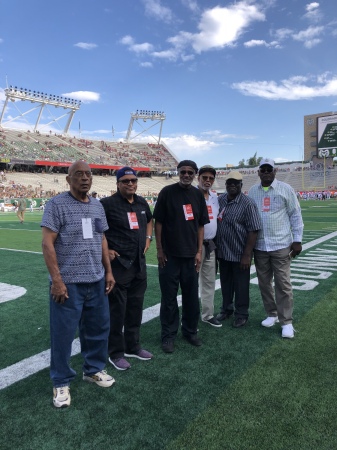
21 251
20 229
29 366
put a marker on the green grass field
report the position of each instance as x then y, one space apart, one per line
243 389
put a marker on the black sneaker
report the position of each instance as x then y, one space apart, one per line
193 339
240 322
168 346
224 315
213 321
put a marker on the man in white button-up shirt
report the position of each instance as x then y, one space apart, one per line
206 177
277 243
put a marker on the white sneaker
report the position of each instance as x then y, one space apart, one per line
61 397
288 331
269 321
101 378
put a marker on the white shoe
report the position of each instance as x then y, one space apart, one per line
269 321
288 331
61 397
101 378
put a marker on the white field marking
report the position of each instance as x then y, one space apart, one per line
29 366
19 229
21 251
10 292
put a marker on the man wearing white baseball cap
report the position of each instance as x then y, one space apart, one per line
277 243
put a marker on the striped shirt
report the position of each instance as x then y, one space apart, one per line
236 218
281 216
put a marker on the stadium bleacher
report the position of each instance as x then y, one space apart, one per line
17 145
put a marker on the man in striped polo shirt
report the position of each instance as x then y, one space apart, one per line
238 225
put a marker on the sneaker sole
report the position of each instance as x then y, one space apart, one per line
60 405
269 326
288 337
99 383
130 355
212 324
118 368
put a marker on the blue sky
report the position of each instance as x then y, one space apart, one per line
233 78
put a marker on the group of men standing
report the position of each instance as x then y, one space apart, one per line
95 254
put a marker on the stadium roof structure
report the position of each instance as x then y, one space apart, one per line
144 115
40 101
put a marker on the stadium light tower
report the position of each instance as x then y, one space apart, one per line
41 100
143 114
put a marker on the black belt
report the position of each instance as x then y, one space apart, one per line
209 247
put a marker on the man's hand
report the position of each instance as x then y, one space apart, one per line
59 291
245 262
113 254
296 248
109 283
161 258
197 261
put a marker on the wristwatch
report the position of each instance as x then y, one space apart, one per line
149 237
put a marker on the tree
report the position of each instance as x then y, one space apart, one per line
242 163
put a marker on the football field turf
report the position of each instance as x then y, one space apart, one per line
243 389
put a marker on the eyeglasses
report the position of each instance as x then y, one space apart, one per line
266 170
229 182
188 172
81 173
206 178
131 180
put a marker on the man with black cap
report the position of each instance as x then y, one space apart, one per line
238 225
180 215
129 237
206 177
277 243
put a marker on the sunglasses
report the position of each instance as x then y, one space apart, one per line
206 178
229 182
188 172
131 180
266 170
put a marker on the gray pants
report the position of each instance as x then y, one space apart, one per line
275 264
207 285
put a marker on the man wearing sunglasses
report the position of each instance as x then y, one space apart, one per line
238 225
206 177
180 215
129 236
277 243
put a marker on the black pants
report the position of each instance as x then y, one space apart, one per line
178 271
234 281
126 309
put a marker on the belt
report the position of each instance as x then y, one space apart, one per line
209 247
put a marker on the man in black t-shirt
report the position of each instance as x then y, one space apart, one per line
180 214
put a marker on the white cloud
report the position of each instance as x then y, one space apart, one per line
191 4
146 64
188 144
154 8
312 12
293 88
84 96
260 42
85 45
282 33
218 27
222 26
145 47
310 36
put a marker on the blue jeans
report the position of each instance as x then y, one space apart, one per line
87 308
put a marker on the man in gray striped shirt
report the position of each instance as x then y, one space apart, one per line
238 225
277 242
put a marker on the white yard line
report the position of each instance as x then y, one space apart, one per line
29 366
